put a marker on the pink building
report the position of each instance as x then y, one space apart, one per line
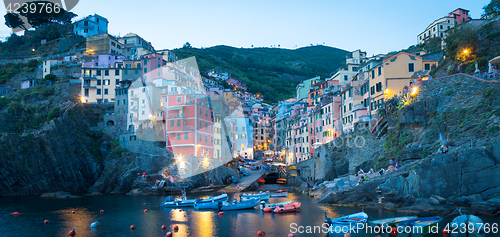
237 83
189 126
151 62
460 15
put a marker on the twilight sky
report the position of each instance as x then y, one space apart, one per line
373 26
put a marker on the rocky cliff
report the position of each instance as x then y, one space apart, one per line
466 111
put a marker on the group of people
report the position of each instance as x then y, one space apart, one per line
393 165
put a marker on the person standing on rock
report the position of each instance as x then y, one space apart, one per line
379 194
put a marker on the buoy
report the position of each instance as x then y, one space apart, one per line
132 227
102 211
145 210
169 234
394 230
267 209
445 232
176 227
220 213
163 227
260 232
180 210
291 235
46 222
72 212
72 232
16 213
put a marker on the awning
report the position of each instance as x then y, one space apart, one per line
495 60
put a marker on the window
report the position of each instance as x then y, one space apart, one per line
98 82
373 74
206 138
106 82
117 72
145 62
345 77
145 70
171 123
350 106
106 72
427 66
179 122
98 91
379 71
186 136
179 99
98 72
117 82
178 136
441 27
448 27
350 93
411 67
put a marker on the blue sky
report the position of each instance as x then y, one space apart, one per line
373 26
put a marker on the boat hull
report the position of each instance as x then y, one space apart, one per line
261 197
292 207
274 205
241 205
391 221
468 221
349 222
426 224
190 202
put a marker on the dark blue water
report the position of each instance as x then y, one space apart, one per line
120 212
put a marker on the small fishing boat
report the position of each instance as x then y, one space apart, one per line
391 221
209 205
279 193
467 222
349 221
249 204
263 205
190 202
421 225
292 207
261 196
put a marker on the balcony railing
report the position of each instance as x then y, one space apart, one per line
90 77
86 85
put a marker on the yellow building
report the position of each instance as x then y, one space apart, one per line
389 77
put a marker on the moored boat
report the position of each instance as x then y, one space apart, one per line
190 202
468 222
209 205
422 225
338 225
279 193
391 221
292 207
273 205
261 196
249 204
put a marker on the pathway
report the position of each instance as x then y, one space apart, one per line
245 181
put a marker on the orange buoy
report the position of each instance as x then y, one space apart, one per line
46 222
72 232
16 213
267 209
176 227
163 227
220 213
180 210
72 212
291 235
260 232
132 227
169 234
102 211
145 210
445 232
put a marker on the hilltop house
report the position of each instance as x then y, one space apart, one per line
91 25
439 27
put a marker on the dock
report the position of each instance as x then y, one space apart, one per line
245 182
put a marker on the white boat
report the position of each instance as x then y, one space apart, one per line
249 204
260 197
349 222
279 194
391 221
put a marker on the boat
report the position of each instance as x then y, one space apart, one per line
190 202
425 223
279 193
350 222
391 221
209 205
261 195
263 205
468 222
249 204
292 207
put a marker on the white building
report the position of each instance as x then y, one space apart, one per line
135 46
243 137
346 73
47 64
91 25
436 29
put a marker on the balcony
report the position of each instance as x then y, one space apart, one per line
89 86
89 77
358 107
135 97
134 108
180 129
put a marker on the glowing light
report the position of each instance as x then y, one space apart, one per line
466 51
386 91
415 91
33 50
82 99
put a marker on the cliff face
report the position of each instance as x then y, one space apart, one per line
64 155
466 111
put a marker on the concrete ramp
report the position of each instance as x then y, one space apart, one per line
245 181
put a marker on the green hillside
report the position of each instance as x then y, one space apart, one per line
272 72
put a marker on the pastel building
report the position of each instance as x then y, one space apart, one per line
91 25
134 46
304 87
103 44
439 27
353 61
100 77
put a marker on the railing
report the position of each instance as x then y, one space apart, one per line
86 85
85 76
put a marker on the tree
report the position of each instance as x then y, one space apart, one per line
50 77
492 9
187 45
14 21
